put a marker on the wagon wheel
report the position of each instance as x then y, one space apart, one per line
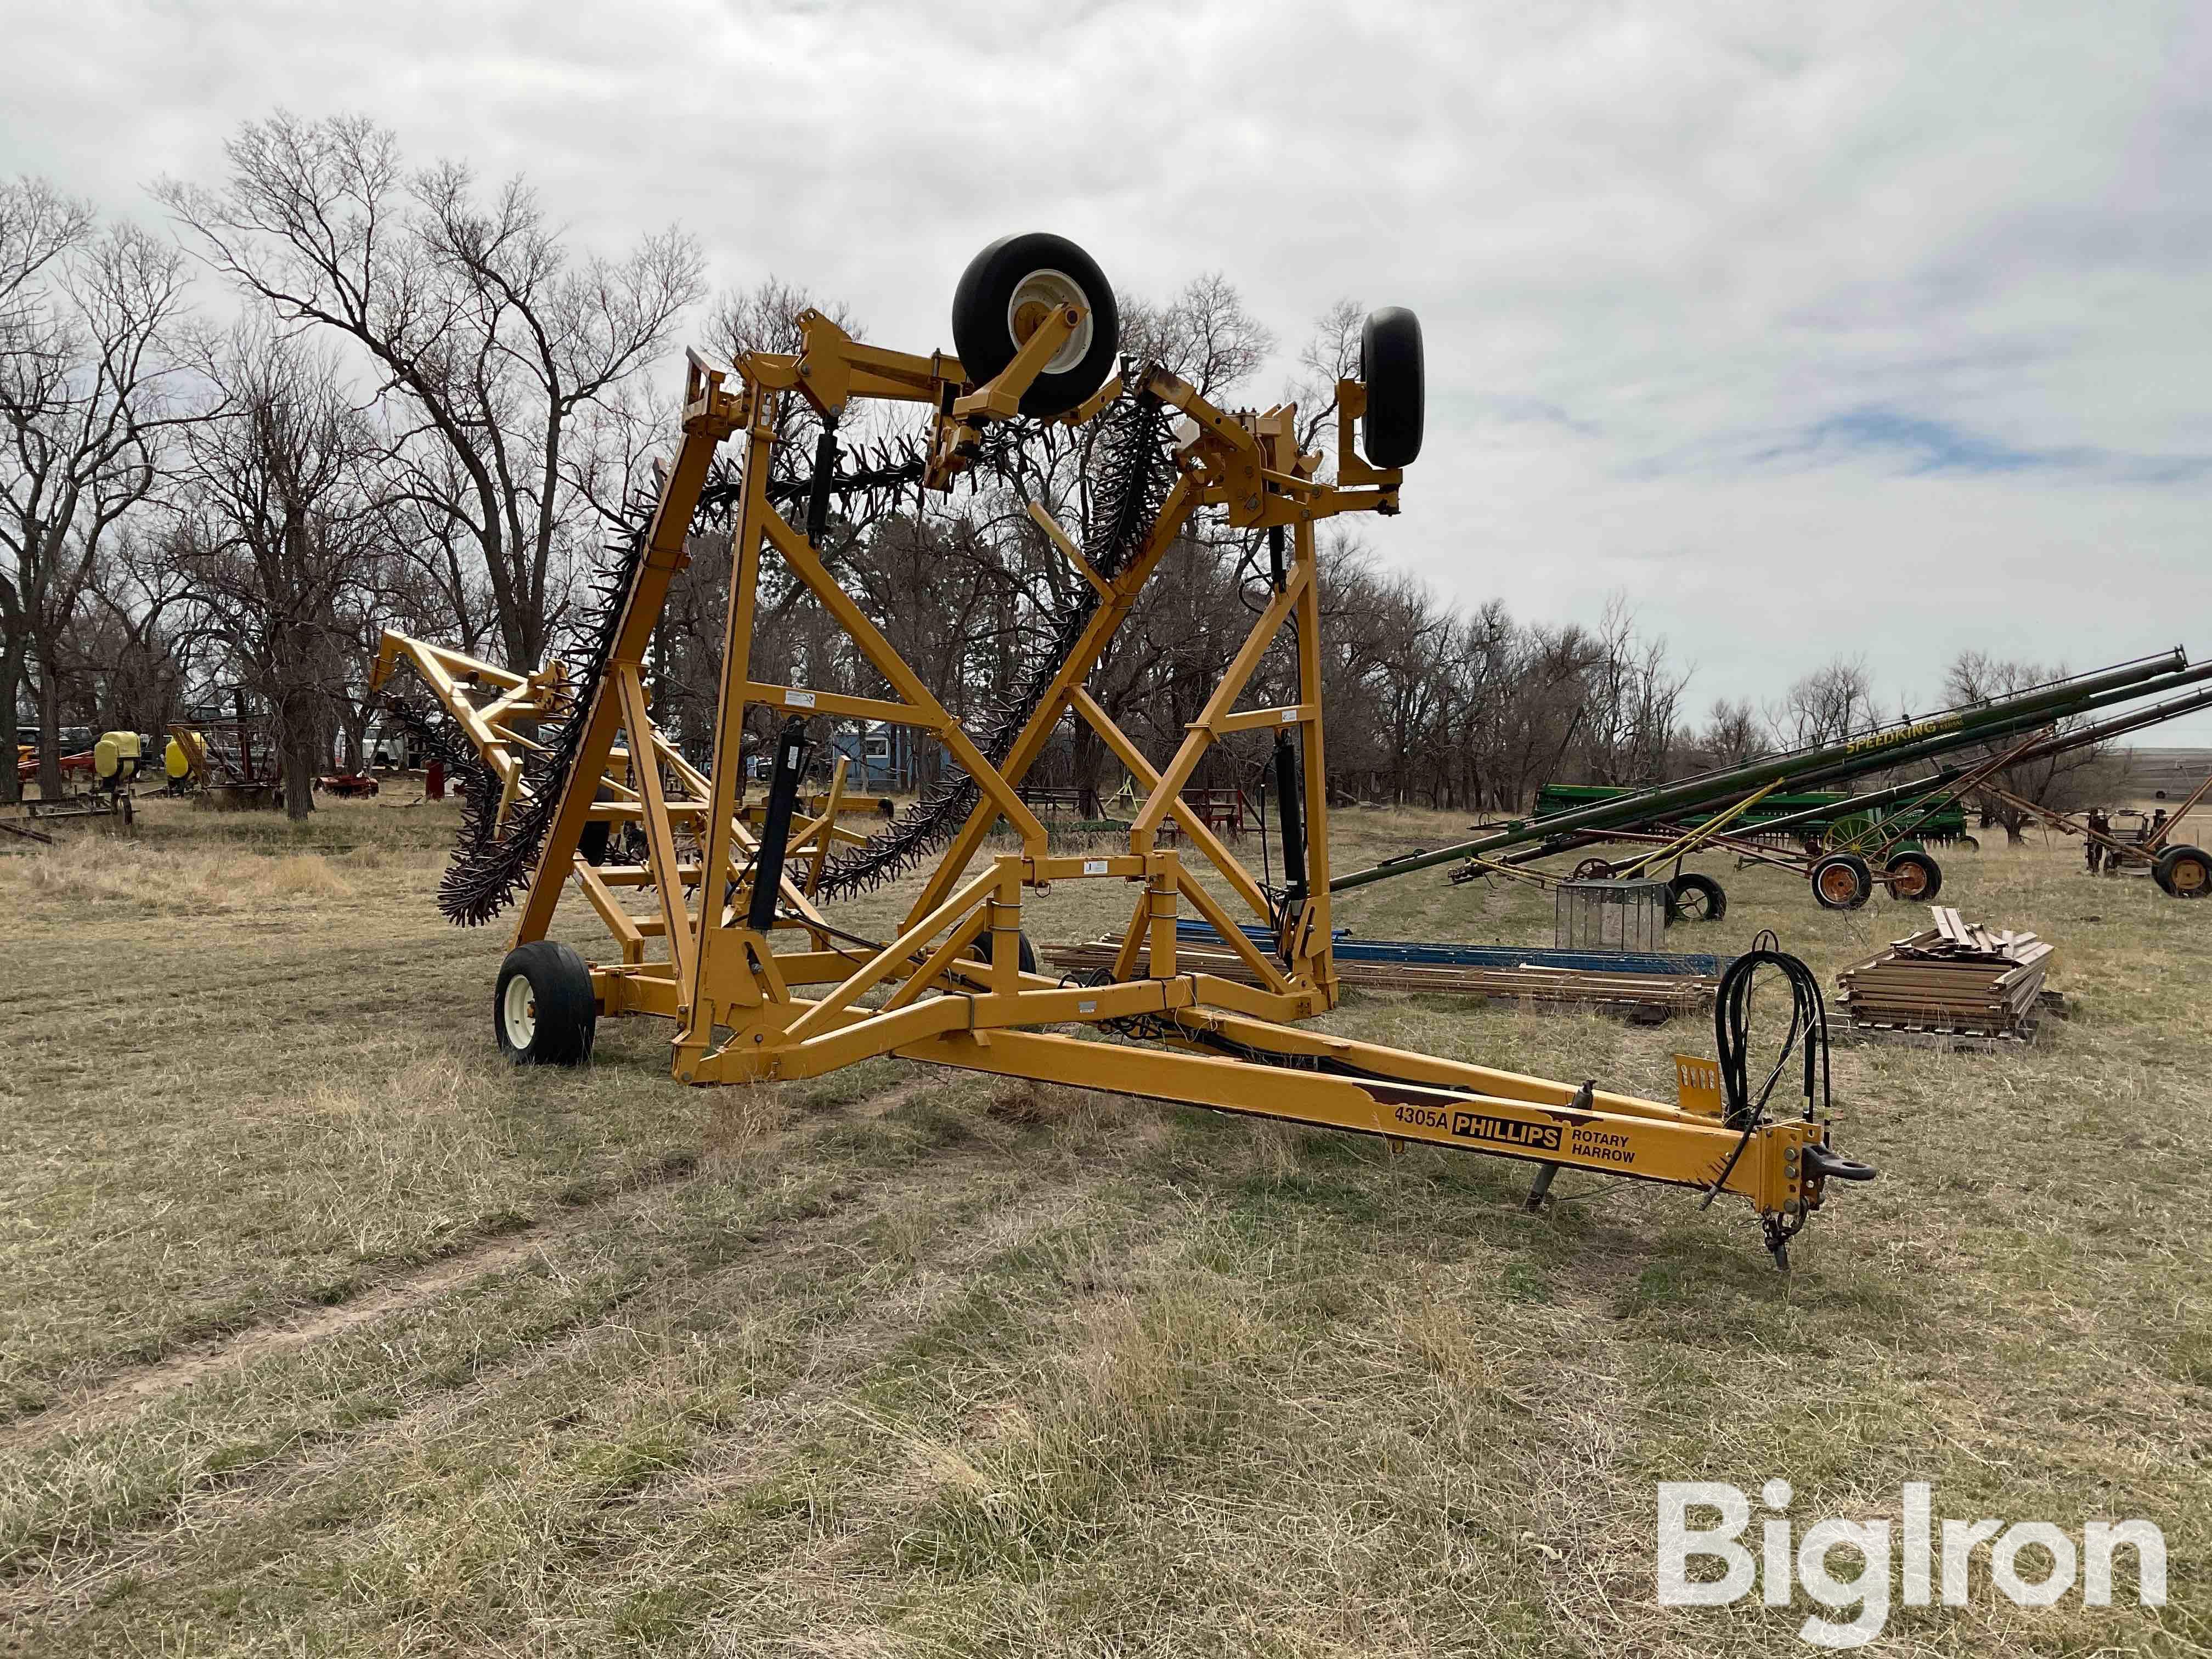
1593 870
1847 829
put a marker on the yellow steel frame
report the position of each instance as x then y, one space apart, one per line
745 1011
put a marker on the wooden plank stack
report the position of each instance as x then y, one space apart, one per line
1956 977
1647 997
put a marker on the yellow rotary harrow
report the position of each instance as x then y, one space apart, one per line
740 953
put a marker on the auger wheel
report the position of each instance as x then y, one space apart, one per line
1691 896
2184 872
1842 881
1913 875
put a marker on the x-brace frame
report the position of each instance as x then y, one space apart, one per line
949 987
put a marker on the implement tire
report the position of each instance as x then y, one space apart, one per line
1694 898
591 841
1002 293
1026 957
1914 877
2186 872
543 1011
1390 362
1842 881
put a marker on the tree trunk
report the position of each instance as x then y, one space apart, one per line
297 730
354 727
1087 755
11 734
49 728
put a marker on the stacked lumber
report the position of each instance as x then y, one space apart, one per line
1660 995
1957 976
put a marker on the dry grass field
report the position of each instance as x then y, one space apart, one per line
322 1331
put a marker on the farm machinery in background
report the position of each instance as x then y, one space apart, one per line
228 760
955 984
1868 840
1828 808
106 771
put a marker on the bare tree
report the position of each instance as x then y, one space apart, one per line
489 336
1832 704
38 225
85 411
1733 735
1205 334
1330 354
1632 693
2056 782
277 532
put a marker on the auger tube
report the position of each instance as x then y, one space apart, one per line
1951 729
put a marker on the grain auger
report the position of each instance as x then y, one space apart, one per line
744 959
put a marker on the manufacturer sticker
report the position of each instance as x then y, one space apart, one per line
1506 1132
798 699
1094 866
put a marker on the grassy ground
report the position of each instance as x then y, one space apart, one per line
320 1332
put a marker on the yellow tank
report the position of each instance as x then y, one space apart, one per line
115 756
179 759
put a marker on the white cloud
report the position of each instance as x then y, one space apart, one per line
1868 330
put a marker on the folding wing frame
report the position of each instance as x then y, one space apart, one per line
494 708
949 988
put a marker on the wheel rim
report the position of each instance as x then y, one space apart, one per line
518 1011
1908 881
1837 884
2189 876
1036 297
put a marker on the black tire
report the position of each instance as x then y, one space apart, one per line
1390 364
552 1020
1842 881
1970 843
984 322
1694 898
1025 958
592 843
2186 872
1916 878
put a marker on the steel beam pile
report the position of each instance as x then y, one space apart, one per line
1957 976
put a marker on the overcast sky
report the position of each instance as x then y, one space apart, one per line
1853 328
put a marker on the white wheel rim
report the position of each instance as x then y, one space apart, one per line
519 1011
1046 291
